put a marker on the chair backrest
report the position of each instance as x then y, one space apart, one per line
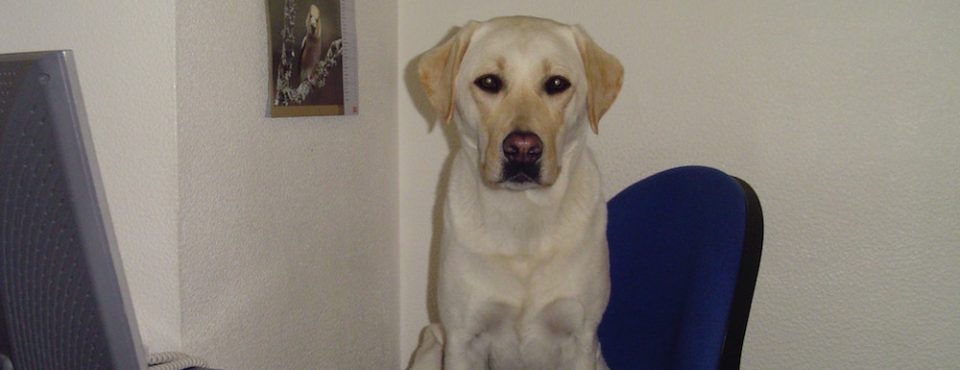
684 254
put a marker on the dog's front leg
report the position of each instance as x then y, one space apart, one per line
589 356
464 351
483 338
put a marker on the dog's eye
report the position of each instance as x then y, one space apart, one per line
556 85
489 83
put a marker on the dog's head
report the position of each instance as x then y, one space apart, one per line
313 21
521 90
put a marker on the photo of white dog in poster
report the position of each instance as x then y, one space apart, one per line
307 44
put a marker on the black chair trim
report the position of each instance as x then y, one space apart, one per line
746 280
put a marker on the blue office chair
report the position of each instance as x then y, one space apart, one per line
684 254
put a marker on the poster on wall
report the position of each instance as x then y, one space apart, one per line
313 58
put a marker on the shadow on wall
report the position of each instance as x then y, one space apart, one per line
412 81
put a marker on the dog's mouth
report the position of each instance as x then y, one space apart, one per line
518 176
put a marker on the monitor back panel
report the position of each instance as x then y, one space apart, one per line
60 309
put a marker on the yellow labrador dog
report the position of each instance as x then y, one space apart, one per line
523 275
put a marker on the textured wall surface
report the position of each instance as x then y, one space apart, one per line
289 225
125 56
844 117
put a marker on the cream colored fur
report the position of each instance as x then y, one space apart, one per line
523 274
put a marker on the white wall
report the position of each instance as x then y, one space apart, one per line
289 225
124 53
844 117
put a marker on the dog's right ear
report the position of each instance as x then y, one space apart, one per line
438 70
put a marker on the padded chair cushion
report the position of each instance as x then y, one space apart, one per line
675 245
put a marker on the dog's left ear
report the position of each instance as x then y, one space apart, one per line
604 77
438 70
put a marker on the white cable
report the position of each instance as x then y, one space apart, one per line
173 361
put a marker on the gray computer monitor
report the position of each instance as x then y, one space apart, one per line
63 298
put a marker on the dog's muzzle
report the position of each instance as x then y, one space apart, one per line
521 152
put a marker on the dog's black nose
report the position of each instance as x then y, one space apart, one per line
522 147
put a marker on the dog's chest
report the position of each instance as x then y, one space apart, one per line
516 233
538 264
520 246
520 266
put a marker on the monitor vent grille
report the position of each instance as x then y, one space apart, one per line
49 310
10 74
